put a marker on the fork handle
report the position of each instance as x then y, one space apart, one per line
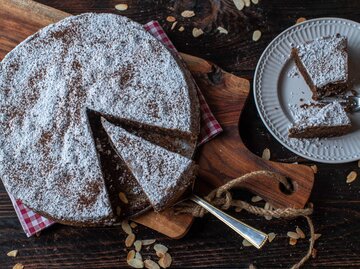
254 236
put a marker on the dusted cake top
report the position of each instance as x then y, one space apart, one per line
101 62
325 60
162 174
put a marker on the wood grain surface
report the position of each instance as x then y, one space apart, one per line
209 244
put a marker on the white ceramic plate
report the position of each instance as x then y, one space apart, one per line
275 89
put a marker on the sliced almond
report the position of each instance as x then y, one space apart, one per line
300 232
118 210
18 266
256 199
123 198
165 261
246 243
148 242
271 237
238 209
222 30
301 19
126 227
351 177
173 25
133 225
160 249
314 168
251 266
255 2
135 263
256 35
121 7
196 32
239 4
137 245
266 152
129 240
292 241
247 3
13 253
149 264
181 29
358 163
138 256
313 253
130 255
317 236
170 18
188 13
293 235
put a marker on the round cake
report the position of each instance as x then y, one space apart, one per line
92 63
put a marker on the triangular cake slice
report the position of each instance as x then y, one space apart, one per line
163 175
319 120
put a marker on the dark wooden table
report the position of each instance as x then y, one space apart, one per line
210 244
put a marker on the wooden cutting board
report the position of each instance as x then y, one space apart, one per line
221 159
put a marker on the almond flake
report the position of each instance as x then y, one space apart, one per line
165 261
293 235
118 210
317 236
148 242
313 253
256 35
18 266
251 266
121 7
170 18
150 264
299 20
247 3
256 199
129 240
271 237
358 163
292 241
138 256
246 243
266 152
133 225
351 177
137 245
135 263
268 217
130 255
13 253
196 32
188 13
255 2
314 168
123 198
181 29
300 232
238 209
173 25
239 4
126 227
222 30
160 249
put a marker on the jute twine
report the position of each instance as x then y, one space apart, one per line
222 198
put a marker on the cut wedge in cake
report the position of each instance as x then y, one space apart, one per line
163 175
317 120
323 63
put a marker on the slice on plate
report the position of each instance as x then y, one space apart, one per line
163 175
323 62
319 120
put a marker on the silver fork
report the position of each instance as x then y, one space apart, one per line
350 103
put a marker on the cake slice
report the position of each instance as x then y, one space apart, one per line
323 63
163 175
319 120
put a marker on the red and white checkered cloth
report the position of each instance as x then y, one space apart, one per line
33 223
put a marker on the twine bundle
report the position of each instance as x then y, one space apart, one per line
222 198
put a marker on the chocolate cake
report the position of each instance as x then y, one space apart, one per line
163 175
323 63
101 63
319 120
